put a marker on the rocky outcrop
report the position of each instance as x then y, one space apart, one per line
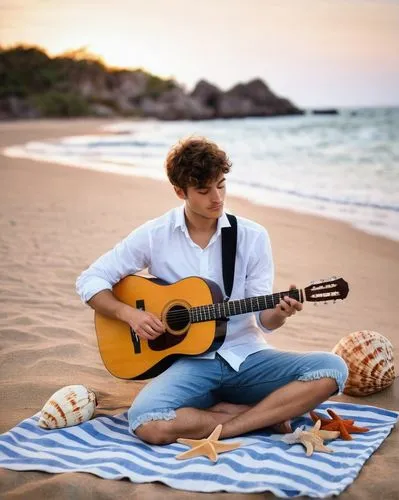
207 101
36 85
245 99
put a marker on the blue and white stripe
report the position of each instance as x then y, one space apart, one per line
104 447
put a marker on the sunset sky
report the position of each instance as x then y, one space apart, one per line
315 52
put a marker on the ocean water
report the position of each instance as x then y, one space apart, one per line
342 166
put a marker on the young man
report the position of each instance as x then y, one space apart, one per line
246 384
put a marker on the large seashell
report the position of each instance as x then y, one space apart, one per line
369 356
69 406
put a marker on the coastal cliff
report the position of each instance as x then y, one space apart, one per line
35 85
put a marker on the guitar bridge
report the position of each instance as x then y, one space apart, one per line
135 337
136 341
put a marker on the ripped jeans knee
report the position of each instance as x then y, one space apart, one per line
333 366
137 417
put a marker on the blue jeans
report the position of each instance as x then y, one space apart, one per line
201 383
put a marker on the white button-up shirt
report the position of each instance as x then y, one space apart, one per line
164 246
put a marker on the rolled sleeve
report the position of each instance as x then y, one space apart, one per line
87 288
260 274
129 256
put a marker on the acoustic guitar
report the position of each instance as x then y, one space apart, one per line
194 315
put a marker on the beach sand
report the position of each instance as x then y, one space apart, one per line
56 220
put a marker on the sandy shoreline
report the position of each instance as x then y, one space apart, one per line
55 220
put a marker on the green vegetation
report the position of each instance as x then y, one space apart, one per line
71 84
55 103
156 86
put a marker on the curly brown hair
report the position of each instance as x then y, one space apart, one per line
195 161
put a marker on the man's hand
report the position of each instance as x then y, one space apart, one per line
145 324
274 318
288 306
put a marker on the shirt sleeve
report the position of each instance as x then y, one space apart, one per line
260 273
129 256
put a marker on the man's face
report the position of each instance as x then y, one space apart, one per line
207 201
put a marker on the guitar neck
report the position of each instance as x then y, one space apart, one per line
234 307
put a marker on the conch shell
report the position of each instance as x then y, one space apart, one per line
69 406
369 357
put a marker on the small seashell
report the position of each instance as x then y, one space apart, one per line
369 357
69 406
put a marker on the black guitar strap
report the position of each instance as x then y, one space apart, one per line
229 248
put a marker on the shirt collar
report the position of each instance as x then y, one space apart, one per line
180 221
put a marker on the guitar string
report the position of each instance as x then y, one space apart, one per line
182 314
268 299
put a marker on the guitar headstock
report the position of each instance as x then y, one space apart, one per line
328 289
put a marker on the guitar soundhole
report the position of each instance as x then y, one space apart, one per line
177 318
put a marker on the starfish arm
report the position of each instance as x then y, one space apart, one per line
309 447
316 426
334 425
354 428
212 455
327 435
334 416
290 438
315 417
194 452
344 433
321 447
222 447
215 433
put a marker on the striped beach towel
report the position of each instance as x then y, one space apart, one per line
104 447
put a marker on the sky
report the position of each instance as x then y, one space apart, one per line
317 53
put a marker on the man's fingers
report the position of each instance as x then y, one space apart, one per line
157 326
293 303
156 323
286 307
142 334
146 332
283 305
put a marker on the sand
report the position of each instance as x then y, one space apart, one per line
56 220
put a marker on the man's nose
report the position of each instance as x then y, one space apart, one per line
216 196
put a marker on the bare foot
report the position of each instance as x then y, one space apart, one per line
229 408
233 409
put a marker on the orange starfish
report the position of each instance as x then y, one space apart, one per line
210 447
336 423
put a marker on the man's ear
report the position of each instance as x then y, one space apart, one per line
180 192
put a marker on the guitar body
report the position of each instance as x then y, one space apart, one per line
129 357
194 316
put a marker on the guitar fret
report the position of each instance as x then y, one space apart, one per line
263 305
250 304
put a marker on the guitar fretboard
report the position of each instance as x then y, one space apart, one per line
242 306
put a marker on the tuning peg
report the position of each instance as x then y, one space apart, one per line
315 303
325 302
